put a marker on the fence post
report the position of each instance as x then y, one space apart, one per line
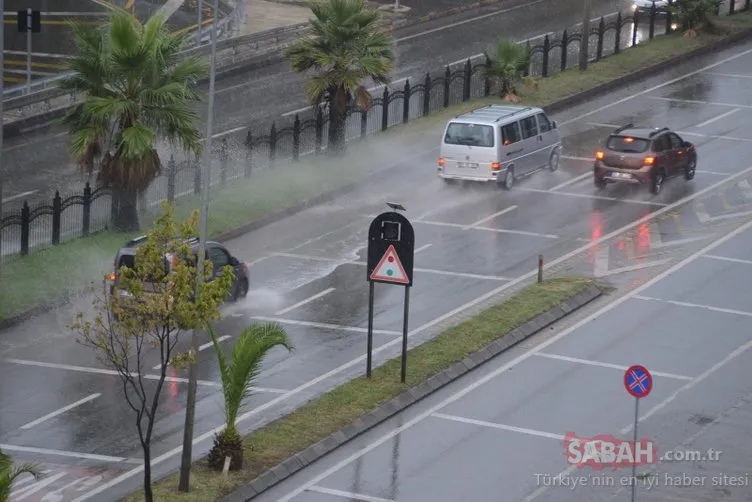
427 95
57 206
171 172
406 103
363 122
546 49
526 73
296 139
668 17
196 163
486 78
86 220
634 30
385 109
248 154
319 130
273 144
447 77
25 223
731 7
617 42
224 155
564 49
466 80
601 34
651 32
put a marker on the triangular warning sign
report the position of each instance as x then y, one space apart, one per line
390 269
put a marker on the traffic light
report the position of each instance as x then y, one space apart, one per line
23 21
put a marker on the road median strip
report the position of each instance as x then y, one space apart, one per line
33 284
280 448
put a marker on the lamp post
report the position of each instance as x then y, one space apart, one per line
190 409
2 108
585 39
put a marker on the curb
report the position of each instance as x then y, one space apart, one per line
387 410
569 101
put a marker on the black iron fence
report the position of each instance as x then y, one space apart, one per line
27 229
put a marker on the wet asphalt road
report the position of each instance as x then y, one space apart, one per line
464 254
37 163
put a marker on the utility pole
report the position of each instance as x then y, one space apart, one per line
199 6
190 409
585 40
2 108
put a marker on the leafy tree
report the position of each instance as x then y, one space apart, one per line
138 88
345 48
238 377
9 473
144 317
694 15
507 66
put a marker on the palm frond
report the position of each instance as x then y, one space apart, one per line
9 474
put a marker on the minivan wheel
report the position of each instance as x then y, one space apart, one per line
508 179
689 173
657 184
553 160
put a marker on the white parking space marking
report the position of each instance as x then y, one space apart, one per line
442 318
595 197
464 61
694 305
19 195
712 173
488 229
422 248
678 242
324 325
588 362
60 411
725 258
200 348
526 355
730 75
601 124
347 495
415 269
714 136
570 182
583 159
745 188
492 425
718 117
490 217
304 302
70 454
698 102
21 493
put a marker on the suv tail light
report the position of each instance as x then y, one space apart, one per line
111 276
649 161
599 155
495 166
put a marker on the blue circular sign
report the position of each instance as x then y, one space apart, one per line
638 381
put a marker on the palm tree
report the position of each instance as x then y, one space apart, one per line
138 88
237 378
344 48
9 474
694 14
508 65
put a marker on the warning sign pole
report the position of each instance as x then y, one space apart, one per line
403 374
370 329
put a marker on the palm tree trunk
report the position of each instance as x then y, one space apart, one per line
125 210
337 122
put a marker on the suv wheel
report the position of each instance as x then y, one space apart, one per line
657 183
600 183
689 172
553 160
508 179
240 290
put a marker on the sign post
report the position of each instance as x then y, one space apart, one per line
391 244
639 382
29 21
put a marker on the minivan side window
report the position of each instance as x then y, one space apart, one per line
510 133
543 123
529 127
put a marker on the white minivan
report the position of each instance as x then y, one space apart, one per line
499 143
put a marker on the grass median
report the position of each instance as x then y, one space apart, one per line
43 276
325 415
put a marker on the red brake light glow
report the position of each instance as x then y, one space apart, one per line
628 140
441 161
495 166
649 161
599 155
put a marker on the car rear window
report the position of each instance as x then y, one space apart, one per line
469 134
627 144
129 261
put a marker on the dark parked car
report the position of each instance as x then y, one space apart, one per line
644 156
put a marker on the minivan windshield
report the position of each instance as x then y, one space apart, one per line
469 134
626 144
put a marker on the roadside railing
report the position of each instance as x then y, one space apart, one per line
240 155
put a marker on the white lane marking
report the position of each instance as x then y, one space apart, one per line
632 268
601 124
422 248
359 360
493 425
304 302
745 188
726 258
655 409
656 87
718 117
730 75
570 182
347 495
60 411
19 195
295 112
518 232
516 361
714 136
490 217
713 173
324 325
16 495
695 305
200 348
70 454
464 60
589 362
594 197
229 131
584 159
698 102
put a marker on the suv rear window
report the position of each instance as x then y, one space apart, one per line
129 261
627 144
469 134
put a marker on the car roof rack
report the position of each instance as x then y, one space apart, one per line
136 241
624 127
658 131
